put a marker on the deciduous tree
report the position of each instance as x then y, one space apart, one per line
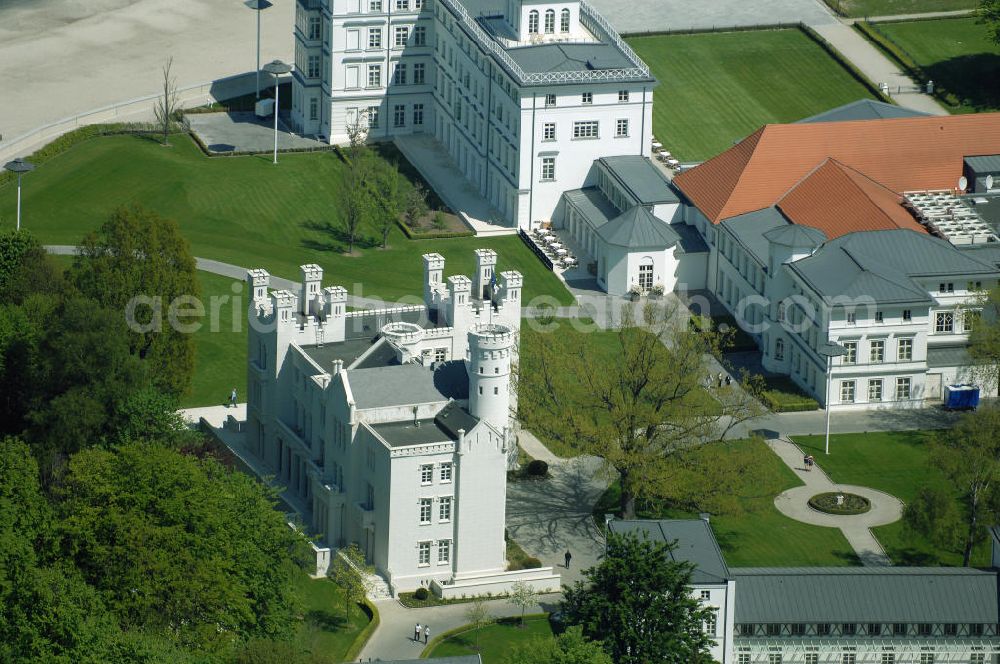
522 595
478 615
988 13
350 571
638 602
640 410
570 647
167 104
388 185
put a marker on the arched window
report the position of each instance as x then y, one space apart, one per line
779 349
564 21
550 21
533 22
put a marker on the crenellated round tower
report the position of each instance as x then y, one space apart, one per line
490 352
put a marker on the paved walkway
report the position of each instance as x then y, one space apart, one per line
911 17
245 132
857 528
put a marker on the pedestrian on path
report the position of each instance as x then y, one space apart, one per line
232 398
729 381
416 633
719 383
427 634
569 557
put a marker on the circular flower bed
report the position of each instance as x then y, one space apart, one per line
840 503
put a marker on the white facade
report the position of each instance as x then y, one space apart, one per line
392 426
523 120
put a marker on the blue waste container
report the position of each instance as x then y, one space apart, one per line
961 397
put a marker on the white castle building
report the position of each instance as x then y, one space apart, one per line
524 95
392 427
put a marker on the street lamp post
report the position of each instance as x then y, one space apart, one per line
258 6
20 167
830 350
276 69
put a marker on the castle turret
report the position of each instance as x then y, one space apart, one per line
490 347
459 301
486 263
312 278
257 282
335 313
433 277
282 303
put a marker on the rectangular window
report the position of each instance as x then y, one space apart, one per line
899 629
747 629
705 594
847 391
874 629
904 350
888 658
446 472
852 318
418 114
314 27
374 76
744 658
907 315
926 658
798 629
549 131
773 629
444 509
550 100
419 73
444 552
312 66
948 287
977 658
847 658
425 510
975 629
399 115
811 658
924 629
399 35
373 119
374 37
902 388
774 658
587 98
399 78
621 128
440 354
879 318
548 169
375 5
851 356
623 96
848 629
823 629
313 108
426 473
420 36
711 623
585 129
424 553
877 351
875 390
950 629
402 5
944 321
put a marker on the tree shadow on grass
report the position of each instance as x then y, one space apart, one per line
974 79
325 620
334 238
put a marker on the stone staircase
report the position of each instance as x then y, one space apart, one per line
376 588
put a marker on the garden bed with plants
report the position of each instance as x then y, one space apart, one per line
782 395
840 503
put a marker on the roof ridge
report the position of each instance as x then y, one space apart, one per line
848 170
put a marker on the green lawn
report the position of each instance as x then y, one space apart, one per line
246 211
220 343
756 534
894 7
718 88
897 463
956 54
325 629
494 640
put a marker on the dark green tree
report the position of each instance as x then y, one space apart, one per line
638 602
350 571
988 13
387 185
570 647
138 254
178 545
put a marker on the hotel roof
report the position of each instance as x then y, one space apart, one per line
863 109
899 154
693 543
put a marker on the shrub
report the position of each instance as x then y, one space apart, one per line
439 221
531 563
421 594
784 396
538 468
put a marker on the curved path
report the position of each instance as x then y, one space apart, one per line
794 504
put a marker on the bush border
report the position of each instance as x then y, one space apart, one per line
361 640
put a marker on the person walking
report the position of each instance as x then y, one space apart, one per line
427 634
232 398
568 557
416 633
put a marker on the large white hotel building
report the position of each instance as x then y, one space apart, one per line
524 95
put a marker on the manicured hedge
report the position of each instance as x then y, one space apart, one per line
784 396
365 634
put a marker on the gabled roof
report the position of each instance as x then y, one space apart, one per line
639 177
694 543
637 227
863 109
796 237
883 264
408 384
838 199
903 154
865 594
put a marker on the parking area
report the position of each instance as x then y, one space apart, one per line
222 133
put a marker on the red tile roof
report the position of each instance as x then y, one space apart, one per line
902 154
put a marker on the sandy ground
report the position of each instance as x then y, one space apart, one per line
62 57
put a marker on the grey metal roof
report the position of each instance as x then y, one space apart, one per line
796 236
948 356
881 265
865 594
691 240
453 418
694 540
641 178
420 432
593 205
984 164
408 384
348 351
749 230
863 109
544 58
636 228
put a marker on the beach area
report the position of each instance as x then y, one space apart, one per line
59 58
